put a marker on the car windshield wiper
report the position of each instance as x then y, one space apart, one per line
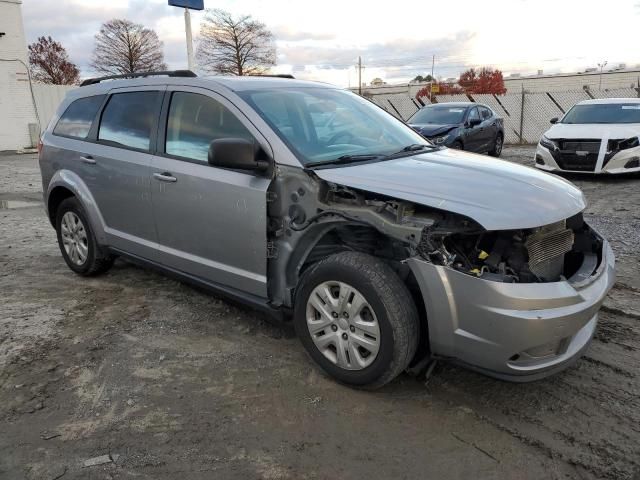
345 159
415 147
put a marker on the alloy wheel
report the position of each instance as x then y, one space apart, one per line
74 238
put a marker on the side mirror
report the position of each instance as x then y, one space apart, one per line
554 120
236 153
474 122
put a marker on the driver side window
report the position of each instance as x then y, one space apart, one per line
473 115
196 120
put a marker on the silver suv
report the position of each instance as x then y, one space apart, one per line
314 204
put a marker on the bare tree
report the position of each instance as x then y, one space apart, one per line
50 63
125 47
236 46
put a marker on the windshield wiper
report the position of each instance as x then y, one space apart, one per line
415 147
345 159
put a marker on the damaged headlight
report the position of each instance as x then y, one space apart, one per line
440 140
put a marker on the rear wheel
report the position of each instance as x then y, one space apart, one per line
356 319
77 241
497 146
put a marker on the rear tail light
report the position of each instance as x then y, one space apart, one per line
39 146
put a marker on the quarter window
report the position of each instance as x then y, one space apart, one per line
77 118
128 119
195 121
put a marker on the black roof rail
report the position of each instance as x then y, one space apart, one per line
275 75
168 73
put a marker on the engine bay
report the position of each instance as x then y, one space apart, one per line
544 254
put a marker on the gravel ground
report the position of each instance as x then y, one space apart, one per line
167 381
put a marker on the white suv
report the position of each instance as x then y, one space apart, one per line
595 136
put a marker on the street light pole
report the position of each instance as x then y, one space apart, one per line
601 65
187 29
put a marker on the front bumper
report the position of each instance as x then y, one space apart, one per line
512 331
617 164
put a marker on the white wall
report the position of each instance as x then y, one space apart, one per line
48 97
574 81
16 104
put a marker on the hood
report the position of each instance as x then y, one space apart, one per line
497 194
593 130
430 129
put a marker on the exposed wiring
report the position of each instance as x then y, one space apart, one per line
33 97
315 218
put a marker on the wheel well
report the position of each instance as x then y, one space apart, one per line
370 241
56 197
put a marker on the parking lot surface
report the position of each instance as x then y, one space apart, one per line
163 381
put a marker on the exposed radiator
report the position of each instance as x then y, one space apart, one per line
547 247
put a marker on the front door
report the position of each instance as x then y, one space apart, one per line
488 129
211 222
473 132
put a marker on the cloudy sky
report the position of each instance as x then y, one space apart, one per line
322 40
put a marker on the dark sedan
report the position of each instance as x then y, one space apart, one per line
461 125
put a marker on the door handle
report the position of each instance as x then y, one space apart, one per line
165 177
87 159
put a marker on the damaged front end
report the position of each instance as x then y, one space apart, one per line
545 254
516 304
519 304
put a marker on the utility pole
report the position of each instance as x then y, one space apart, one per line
601 65
187 29
433 64
359 75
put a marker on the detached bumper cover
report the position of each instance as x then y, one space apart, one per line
513 331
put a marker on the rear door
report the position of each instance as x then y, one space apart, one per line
211 222
119 167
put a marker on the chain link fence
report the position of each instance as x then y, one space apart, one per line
526 115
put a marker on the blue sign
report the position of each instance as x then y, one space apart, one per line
192 4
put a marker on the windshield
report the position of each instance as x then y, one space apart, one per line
438 115
324 124
604 113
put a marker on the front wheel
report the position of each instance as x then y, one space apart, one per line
356 319
457 145
497 146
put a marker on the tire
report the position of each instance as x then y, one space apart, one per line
497 146
87 259
389 306
457 145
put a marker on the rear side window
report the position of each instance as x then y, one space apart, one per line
76 120
485 113
129 118
195 121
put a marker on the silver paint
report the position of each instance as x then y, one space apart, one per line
497 194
